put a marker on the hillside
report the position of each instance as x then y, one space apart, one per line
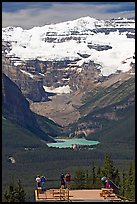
108 115
48 126
16 108
34 157
72 79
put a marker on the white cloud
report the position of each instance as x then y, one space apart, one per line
27 18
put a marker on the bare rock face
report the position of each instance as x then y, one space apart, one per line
78 54
31 85
16 108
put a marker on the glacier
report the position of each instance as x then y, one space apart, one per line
63 41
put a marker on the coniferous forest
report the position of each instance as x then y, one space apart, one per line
85 179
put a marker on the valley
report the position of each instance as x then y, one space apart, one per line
73 80
78 76
62 108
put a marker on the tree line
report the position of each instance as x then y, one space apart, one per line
88 179
91 179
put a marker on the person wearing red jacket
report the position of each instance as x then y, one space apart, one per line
67 179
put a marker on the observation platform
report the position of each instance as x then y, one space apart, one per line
85 195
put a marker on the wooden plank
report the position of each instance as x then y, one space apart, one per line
62 194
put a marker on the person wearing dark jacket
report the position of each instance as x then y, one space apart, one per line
62 180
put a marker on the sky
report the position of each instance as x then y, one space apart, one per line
30 14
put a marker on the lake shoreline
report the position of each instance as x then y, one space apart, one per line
71 142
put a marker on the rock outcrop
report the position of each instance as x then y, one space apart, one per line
30 84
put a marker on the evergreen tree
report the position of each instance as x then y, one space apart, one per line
99 183
93 175
79 179
10 194
108 169
14 193
117 177
20 196
99 174
88 180
128 183
123 184
131 182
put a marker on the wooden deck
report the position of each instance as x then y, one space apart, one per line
66 195
52 195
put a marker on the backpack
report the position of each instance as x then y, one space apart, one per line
43 179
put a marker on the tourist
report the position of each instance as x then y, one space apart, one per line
107 183
43 180
62 181
67 180
38 181
103 179
38 185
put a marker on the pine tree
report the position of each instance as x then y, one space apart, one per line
93 176
79 179
14 193
20 196
123 184
128 183
108 169
87 180
131 182
117 177
99 183
10 194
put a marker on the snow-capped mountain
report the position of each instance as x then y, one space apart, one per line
108 43
79 67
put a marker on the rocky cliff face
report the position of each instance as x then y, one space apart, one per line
30 84
65 53
83 55
15 107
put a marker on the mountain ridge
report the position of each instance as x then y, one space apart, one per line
78 56
78 85
80 36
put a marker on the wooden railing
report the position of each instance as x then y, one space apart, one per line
52 194
62 194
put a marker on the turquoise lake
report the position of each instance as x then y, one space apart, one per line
65 143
